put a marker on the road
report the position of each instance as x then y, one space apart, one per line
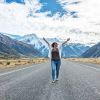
78 81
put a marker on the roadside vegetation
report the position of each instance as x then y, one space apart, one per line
86 60
11 63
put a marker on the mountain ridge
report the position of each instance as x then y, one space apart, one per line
69 50
19 47
92 52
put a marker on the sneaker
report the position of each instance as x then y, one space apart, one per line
57 79
53 81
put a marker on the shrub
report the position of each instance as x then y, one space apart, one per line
8 63
1 63
19 61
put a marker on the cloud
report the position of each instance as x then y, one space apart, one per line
15 19
88 11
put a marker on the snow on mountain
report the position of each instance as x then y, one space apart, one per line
31 39
17 37
38 43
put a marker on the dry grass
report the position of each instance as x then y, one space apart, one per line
11 63
86 60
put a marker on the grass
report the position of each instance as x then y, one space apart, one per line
86 60
11 63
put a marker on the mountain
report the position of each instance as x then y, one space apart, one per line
34 40
69 50
17 37
94 51
11 46
73 50
31 39
37 42
6 51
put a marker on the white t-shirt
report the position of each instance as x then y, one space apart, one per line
59 48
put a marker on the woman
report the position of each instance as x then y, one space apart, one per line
55 54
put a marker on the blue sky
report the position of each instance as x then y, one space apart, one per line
53 7
18 1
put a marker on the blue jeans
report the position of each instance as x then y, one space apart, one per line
55 68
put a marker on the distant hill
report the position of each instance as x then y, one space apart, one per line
69 50
73 50
13 47
6 51
94 51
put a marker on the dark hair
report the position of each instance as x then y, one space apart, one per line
53 44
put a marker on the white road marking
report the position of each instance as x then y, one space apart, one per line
16 70
97 69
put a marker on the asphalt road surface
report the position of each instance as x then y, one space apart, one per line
78 81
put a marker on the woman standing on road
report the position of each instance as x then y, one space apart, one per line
55 55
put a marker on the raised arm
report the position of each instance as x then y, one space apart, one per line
66 41
46 41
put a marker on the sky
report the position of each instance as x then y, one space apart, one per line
52 18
